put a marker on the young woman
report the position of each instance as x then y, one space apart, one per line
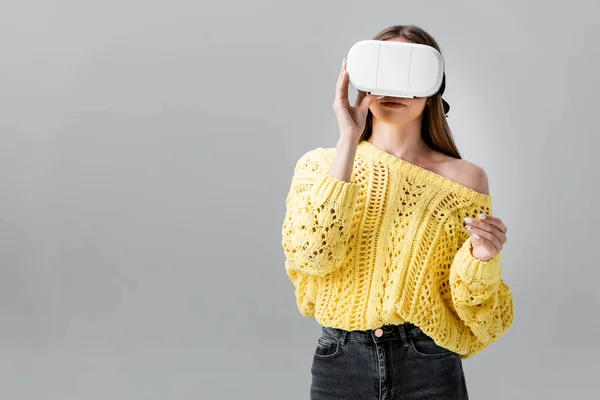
392 247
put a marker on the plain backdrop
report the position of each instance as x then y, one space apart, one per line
147 147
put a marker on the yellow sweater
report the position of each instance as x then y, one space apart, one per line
391 246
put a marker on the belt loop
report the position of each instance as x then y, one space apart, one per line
402 329
343 336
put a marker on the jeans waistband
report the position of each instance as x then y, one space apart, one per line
388 332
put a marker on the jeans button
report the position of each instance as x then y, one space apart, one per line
379 332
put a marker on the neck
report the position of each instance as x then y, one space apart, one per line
403 141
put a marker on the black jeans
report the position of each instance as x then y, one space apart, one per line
403 363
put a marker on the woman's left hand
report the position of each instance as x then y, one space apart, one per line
488 235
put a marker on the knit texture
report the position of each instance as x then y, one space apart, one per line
391 246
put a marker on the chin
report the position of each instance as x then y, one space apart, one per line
393 118
399 117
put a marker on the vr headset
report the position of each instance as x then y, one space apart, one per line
395 69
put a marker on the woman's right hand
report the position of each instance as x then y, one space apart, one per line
351 120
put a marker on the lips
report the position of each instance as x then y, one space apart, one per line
392 104
392 101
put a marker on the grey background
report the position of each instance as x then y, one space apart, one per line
147 148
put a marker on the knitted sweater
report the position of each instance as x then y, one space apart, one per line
390 246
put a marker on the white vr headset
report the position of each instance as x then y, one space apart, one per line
395 69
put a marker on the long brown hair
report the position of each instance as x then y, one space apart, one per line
434 127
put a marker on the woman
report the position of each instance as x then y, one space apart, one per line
379 254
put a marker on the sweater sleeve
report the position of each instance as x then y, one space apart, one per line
318 218
480 296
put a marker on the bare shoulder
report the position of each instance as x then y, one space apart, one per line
466 173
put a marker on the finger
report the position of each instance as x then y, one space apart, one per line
495 237
487 224
484 226
341 71
367 101
342 86
490 224
338 84
496 222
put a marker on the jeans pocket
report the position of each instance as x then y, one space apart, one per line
327 348
425 346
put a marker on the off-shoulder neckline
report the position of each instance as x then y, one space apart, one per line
421 174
